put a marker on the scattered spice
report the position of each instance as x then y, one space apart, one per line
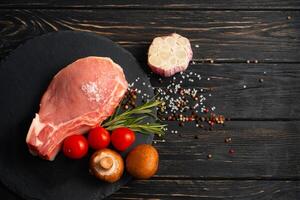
231 151
185 106
261 80
179 104
228 140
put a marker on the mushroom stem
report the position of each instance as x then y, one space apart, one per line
106 163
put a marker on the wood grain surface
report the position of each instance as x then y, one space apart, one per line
157 4
225 35
276 98
209 189
263 150
231 36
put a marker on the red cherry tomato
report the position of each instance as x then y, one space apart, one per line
122 138
75 146
98 138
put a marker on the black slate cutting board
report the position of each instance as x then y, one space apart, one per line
24 77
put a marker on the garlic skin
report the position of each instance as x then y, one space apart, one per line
170 54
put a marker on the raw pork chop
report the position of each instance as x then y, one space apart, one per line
80 96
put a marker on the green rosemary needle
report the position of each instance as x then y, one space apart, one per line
132 119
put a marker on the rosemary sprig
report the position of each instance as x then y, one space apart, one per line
132 119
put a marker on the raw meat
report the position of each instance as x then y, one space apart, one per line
80 96
170 54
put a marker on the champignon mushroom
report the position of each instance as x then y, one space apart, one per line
107 165
142 161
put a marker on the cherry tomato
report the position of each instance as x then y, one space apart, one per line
75 146
122 138
98 138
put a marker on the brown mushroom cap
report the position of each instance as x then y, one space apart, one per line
107 165
142 161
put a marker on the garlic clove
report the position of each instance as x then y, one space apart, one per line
168 55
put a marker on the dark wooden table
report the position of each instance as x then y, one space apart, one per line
235 43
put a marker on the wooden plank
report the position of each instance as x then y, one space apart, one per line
156 4
263 150
272 90
204 189
199 189
231 36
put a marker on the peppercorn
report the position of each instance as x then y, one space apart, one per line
231 151
209 156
